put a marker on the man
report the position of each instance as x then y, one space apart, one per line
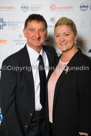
23 113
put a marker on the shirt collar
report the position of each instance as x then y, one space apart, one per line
33 55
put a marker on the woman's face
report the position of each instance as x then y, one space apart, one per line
65 37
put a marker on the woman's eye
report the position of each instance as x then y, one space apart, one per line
57 35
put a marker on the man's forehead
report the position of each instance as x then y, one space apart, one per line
35 23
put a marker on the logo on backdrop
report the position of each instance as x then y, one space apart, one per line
3 42
19 40
36 7
6 8
89 51
54 7
2 23
81 42
0 117
24 7
53 20
12 25
84 6
33 7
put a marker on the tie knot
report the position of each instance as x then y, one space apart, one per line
41 63
40 58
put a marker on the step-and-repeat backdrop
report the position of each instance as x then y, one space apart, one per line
14 12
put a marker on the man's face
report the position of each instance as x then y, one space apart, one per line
35 33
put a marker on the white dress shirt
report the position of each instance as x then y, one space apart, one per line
33 55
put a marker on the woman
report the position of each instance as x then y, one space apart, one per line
69 86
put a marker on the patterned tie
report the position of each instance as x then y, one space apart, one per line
42 76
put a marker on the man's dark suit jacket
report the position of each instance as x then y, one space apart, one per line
72 98
17 96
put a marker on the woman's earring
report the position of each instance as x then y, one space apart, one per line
75 42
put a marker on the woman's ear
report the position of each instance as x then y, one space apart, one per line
76 35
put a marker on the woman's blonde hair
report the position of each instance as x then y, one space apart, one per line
68 22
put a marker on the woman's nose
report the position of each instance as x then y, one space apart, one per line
62 38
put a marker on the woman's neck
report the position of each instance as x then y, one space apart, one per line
66 56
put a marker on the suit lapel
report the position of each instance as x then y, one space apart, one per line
58 85
64 75
50 58
25 62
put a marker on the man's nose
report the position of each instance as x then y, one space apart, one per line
37 34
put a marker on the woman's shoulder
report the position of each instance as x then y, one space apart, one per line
84 59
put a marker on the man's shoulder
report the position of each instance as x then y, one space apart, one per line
14 57
49 48
51 52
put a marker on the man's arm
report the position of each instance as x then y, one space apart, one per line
8 100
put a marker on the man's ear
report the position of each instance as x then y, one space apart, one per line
24 32
46 33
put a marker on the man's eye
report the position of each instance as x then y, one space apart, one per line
31 30
41 30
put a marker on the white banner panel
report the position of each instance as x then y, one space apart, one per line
14 12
